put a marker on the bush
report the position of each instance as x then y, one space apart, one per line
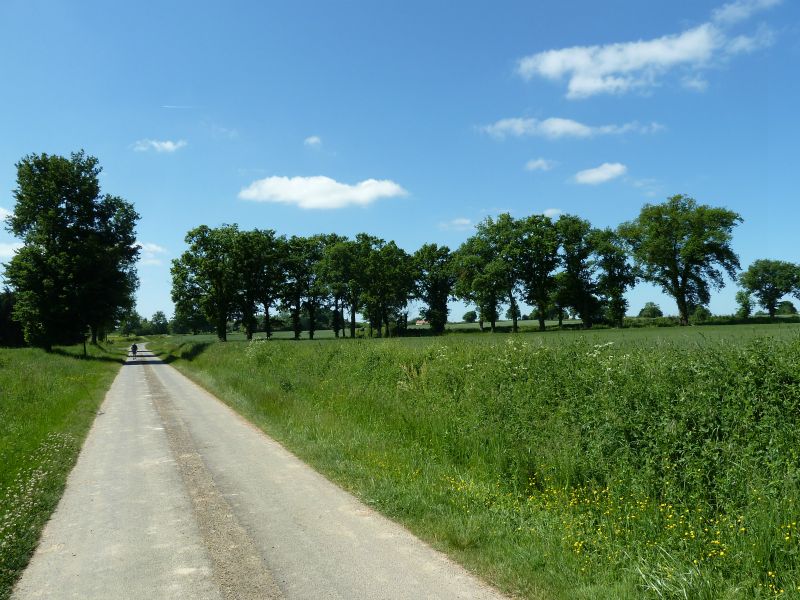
470 316
651 310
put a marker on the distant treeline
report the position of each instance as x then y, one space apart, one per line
557 266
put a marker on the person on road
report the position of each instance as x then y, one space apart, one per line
134 348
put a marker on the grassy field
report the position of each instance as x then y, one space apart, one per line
657 463
47 404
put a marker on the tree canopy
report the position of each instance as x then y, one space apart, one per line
685 248
769 281
76 269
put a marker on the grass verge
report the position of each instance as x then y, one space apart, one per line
616 467
47 404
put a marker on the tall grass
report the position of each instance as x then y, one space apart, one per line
581 469
47 404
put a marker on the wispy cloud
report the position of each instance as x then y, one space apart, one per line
618 68
151 254
458 224
158 145
601 174
7 250
553 213
320 192
740 10
540 164
313 141
4 213
557 127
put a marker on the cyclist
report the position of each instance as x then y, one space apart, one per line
134 348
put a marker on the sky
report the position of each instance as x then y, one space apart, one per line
411 120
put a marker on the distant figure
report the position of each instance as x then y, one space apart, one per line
134 348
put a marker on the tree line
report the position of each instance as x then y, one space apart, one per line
556 266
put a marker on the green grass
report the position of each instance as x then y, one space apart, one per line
610 464
47 404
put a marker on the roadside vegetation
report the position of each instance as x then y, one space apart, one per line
659 463
47 404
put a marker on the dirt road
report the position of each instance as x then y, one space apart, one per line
176 496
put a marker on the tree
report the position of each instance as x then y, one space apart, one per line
616 274
389 278
538 258
478 280
651 310
205 275
470 316
502 238
159 325
577 284
684 248
769 281
11 333
76 269
745 304
435 281
786 308
131 323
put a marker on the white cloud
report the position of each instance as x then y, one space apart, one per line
740 10
556 127
4 213
314 141
320 192
458 224
601 174
7 250
618 68
151 253
553 213
158 145
540 164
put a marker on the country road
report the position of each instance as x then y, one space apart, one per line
176 496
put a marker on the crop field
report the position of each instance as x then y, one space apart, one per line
659 463
47 404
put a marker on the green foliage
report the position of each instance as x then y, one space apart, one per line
769 281
11 333
700 315
205 277
75 270
470 316
616 275
684 248
785 307
745 304
583 468
435 280
47 404
651 310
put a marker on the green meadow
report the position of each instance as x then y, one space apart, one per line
633 463
47 404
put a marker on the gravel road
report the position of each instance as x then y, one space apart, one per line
176 496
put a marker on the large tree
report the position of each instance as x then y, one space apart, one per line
435 281
389 284
685 248
502 236
479 279
76 269
205 275
769 281
615 273
538 259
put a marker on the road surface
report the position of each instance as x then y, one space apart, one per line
176 496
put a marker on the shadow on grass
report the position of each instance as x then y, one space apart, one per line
185 352
79 354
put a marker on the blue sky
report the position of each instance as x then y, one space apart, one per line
409 120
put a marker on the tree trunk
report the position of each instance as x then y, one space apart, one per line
94 334
492 324
514 311
353 321
296 321
267 324
312 325
560 317
222 328
480 324
336 317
